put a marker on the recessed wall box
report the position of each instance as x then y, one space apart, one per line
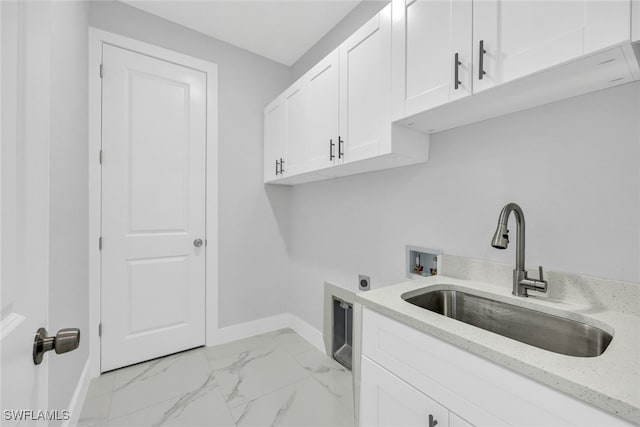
422 262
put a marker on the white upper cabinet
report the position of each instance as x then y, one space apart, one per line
274 138
297 125
435 36
337 117
515 38
323 99
365 90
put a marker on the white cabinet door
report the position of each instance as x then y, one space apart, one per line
386 400
514 38
365 90
297 118
274 138
323 100
432 46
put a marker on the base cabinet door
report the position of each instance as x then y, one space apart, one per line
386 400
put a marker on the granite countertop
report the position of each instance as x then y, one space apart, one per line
610 382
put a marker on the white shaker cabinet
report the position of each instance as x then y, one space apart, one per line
321 143
515 38
274 138
389 401
296 125
432 54
337 117
422 375
365 90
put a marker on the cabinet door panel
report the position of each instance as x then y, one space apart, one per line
295 100
386 401
523 37
365 86
323 92
274 137
428 49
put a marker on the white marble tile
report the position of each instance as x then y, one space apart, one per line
203 406
101 385
288 340
305 403
156 381
95 411
333 376
232 349
251 374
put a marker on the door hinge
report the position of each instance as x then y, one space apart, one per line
101 71
100 243
100 329
100 156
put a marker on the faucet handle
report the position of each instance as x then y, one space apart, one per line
541 273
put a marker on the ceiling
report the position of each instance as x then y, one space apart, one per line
279 30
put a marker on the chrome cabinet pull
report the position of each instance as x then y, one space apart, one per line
340 142
331 145
281 165
481 71
456 65
277 167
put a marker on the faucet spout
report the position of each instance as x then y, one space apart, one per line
521 283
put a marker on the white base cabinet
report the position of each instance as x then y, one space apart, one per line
408 375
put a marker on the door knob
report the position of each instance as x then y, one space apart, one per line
66 340
197 243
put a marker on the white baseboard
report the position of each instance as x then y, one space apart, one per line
268 324
79 395
249 329
307 332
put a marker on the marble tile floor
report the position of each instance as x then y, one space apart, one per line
274 379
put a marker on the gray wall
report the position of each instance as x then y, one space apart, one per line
254 224
69 191
343 29
571 165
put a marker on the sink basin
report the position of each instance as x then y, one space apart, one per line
531 327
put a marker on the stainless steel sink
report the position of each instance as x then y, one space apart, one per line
532 327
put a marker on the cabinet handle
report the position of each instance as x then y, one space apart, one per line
277 167
331 145
340 153
432 421
281 165
456 65
481 71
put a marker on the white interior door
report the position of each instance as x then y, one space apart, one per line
153 171
24 207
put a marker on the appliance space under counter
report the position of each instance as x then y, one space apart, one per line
421 367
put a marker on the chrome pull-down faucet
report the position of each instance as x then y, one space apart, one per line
521 283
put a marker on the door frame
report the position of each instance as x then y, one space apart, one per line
96 40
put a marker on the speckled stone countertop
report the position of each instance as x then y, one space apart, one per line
610 382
